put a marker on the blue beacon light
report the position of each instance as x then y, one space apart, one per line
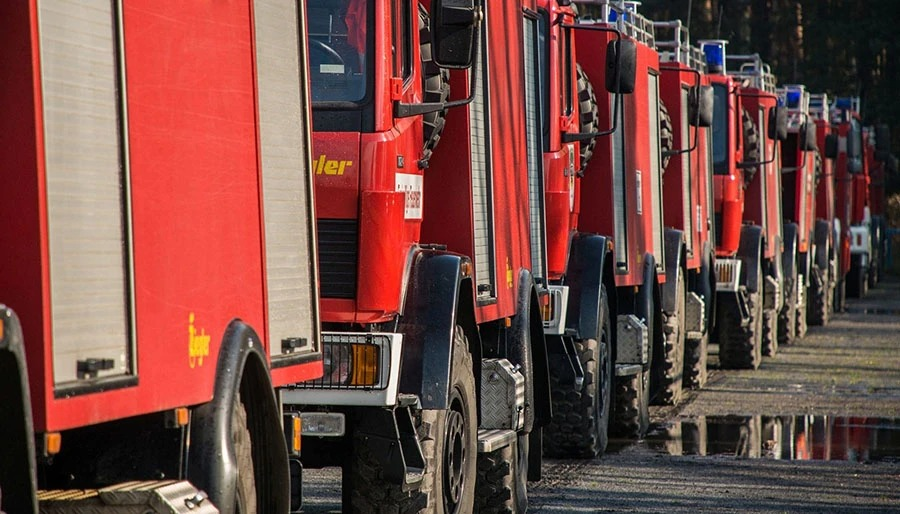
793 99
715 56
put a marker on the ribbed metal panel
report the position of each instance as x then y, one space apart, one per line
338 252
87 186
481 179
617 162
533 126
287 190
686 157
656 171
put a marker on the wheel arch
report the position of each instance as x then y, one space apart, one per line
750 253
439 297
18 467
211 456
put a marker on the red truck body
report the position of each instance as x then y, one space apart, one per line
142 166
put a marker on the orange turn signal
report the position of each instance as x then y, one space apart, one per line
297 430
52 443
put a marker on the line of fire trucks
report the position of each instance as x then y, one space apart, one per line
514 249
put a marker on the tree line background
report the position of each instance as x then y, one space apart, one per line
839 47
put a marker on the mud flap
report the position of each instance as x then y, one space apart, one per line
391 436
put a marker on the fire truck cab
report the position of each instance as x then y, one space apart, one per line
852 197
686 92
799 156
747 125
823 276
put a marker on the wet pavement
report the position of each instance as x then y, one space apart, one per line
815 429
850 439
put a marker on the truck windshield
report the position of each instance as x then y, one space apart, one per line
339 49
720 129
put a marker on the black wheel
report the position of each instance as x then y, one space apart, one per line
579 428
588 114
497 488
669 371
769 346
739 347
819 298
751 144
802 305
435 87
666 135
787 325
448 439
245 495
695 359
632 405
857 283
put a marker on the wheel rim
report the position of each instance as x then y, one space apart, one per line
455 456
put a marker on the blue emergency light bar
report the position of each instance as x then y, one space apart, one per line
714 50
793 98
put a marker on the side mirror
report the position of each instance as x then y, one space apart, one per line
808 137
621 66
831 146
453 25
854 165
778 124
882 142
701 101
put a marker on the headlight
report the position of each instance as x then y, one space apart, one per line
354 360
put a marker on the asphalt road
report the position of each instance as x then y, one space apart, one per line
815 429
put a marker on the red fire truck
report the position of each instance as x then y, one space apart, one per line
621 195
433 256
848 151
160 258
877 155
577 322
823 276
686 93
746 126
799 154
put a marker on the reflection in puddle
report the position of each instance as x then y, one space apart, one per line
857 439
859 310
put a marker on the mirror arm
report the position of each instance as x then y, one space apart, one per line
753 164
581 136
696 123
404 110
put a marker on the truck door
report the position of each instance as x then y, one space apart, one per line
88 188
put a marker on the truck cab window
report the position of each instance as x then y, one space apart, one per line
339 49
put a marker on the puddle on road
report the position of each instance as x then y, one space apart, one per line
859 310
856 439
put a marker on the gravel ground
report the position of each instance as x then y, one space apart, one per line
849 369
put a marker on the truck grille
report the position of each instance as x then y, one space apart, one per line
338 252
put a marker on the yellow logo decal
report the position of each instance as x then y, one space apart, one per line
509 274
330 166
198 344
